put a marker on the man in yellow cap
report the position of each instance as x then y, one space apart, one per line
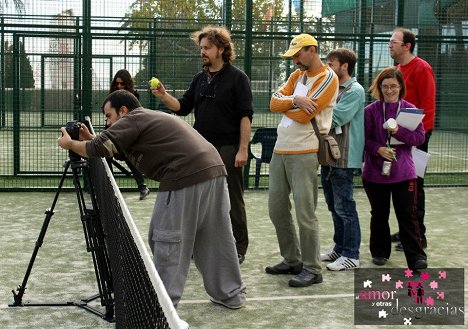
310 92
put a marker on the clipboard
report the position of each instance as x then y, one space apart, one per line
409 118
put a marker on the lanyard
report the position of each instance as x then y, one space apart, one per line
343 90
388 133
384 115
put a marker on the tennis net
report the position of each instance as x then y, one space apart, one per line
141 300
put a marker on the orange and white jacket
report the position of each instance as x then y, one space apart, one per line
297 136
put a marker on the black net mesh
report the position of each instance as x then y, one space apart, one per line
136 302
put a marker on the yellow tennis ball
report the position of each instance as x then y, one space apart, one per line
154 82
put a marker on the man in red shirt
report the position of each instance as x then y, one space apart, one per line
420 91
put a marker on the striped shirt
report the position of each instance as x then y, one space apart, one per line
295 132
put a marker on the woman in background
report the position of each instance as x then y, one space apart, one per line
389 172
123 80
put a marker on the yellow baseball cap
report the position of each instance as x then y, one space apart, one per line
300 41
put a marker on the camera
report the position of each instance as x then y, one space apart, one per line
386 168
73 129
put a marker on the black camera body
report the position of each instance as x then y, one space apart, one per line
73 129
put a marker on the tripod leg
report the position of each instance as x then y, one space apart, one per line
18 297
95 242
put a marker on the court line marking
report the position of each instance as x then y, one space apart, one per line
274 298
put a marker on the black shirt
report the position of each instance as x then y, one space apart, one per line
220 103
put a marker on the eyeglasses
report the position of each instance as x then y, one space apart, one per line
390 87
394 42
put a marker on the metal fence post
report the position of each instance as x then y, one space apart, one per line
87 86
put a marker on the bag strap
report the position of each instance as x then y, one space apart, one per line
317 131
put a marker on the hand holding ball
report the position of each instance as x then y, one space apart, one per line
154 82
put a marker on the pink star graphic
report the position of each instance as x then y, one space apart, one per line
440 295
408 273
442 275
430 301
399 284
434 285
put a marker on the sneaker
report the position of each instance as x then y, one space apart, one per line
283 268
305 279
330 255
343 263
232 307
241 258
144 192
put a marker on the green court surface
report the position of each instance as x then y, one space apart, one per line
63 270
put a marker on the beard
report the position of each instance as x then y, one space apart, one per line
206 60
302 67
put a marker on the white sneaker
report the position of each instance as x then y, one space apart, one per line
343 263
329 256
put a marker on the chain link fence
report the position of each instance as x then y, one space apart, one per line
58 58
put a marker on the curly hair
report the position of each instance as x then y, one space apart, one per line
220 37
127 80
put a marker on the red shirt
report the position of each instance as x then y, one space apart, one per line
420 88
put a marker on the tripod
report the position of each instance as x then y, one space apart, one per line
95 244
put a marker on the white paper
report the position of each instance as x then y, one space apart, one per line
300 90
408 118
420 159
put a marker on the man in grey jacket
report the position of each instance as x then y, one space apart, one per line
191 214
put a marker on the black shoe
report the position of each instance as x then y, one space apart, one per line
305 279
399 247
420 264
283 268
241 258
395 237
144 192
379 260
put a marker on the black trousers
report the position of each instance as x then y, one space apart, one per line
421 194
235 184
404 197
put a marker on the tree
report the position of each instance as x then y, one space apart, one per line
162 28
26 79
19 5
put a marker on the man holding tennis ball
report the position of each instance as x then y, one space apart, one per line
221 97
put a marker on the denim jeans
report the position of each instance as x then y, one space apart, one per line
338 190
